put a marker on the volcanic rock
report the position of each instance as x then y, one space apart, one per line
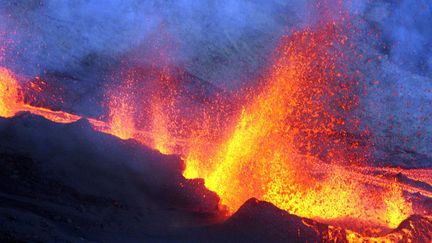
67 182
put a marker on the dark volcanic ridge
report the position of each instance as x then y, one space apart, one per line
69 183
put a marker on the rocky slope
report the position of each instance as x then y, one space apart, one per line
68 183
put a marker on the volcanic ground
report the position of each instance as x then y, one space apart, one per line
69 183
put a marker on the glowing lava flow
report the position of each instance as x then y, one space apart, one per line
10 99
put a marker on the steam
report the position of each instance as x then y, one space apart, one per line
60 36
208 36
404 30
399 99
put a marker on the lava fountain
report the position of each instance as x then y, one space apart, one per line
293 143
299 119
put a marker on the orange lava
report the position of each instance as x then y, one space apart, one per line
55 116
121 120
10 97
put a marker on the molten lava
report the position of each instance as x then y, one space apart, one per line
10 97
121 122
